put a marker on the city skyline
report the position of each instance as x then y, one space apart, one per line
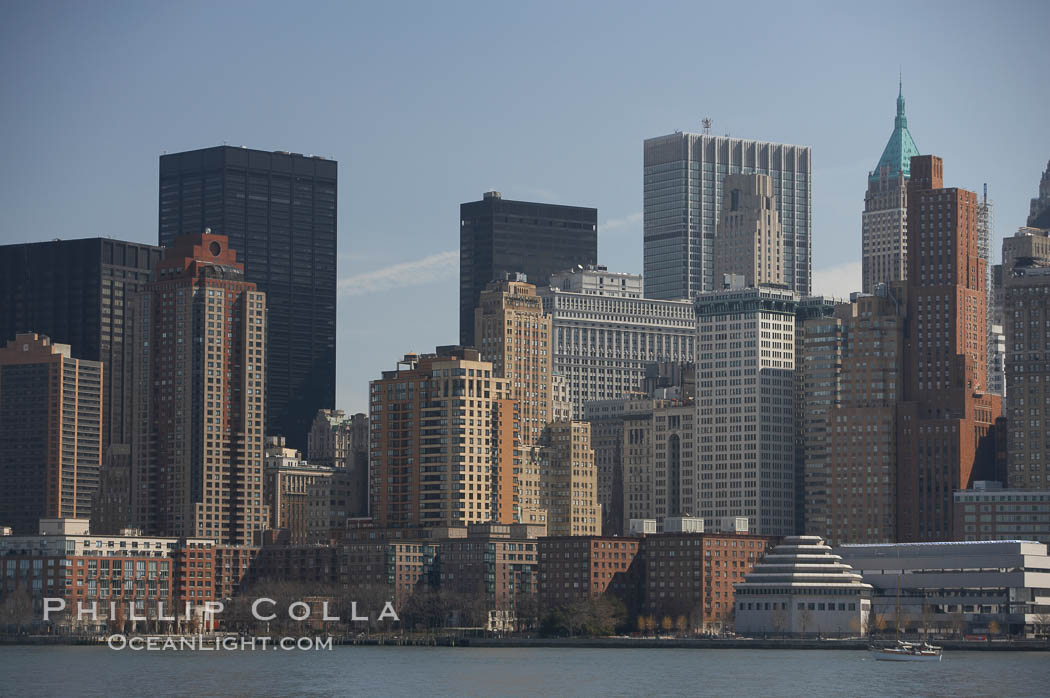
574 155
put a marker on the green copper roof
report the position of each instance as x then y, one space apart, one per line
900 148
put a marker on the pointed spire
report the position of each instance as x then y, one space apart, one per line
900 148
901 120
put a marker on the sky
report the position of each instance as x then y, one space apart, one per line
428 105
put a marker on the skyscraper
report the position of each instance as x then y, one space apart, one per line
199 333
884 227
1026 310
853 367
50 432
279 212
75 292
749 240
498 237
945 435
745 408
683 194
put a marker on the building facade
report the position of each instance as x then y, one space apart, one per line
340 441
990 512
513 333
987 587
605 333
683 194
1039 211
572 568
1026 312
884 223
51 430
694 575
746 365
945 435
442 447
199 332
749 240
298 493
75 292
278 210
498 236
853 364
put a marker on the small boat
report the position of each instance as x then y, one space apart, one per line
907 652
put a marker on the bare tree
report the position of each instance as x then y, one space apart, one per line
17 609
805 619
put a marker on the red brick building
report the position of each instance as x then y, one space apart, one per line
945 428
577 567
692 575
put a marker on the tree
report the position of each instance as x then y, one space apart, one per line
780 620
1041 623
666 624
682 625
993 627
17 609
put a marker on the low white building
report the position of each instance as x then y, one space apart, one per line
801 588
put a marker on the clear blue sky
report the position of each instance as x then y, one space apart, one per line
426 106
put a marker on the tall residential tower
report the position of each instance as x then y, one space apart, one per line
279 212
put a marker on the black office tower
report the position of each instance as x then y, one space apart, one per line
74 291
279 212
498 236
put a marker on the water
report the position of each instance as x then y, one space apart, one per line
439 671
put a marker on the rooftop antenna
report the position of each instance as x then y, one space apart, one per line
706 123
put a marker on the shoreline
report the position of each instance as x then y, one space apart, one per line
592 643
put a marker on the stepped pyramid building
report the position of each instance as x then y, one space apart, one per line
802 588
885 219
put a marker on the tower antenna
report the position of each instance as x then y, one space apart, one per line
706 123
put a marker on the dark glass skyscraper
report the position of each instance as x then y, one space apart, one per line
74 291
497 237
279 212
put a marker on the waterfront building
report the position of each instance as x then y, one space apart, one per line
498 236
498 562
801 588
749 241
199 332
442 442
298 493
853 366
945 417
135 573
1026 312
605 333
746 366
990 512
981 587
278 210
884 227
692 575
684 175
51 427
572 568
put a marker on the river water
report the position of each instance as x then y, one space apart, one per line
441 671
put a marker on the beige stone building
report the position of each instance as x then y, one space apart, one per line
749 240
298 493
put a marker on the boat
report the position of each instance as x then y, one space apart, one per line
907 652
